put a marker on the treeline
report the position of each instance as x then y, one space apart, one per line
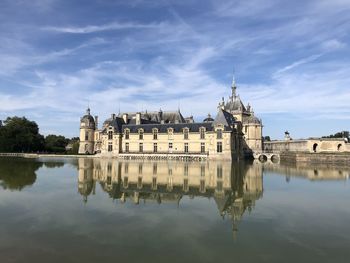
18 134
342 134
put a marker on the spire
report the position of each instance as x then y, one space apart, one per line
233 86
88 111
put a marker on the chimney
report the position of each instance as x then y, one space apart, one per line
138 118
125 118
96 122
113 116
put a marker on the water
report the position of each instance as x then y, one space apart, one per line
85 210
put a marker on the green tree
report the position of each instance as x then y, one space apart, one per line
56 143
18 134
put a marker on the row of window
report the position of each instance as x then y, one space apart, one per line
170 132
170 147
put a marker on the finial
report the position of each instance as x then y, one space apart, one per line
233 86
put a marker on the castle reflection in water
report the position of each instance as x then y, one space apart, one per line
234 188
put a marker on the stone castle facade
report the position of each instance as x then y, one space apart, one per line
233 133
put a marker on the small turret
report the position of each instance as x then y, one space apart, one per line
87 130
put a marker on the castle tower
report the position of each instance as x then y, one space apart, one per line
87 130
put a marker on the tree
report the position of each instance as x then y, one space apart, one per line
56 143
343 134
266 138
18 134
74 143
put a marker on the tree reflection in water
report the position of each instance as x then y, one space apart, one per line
17 173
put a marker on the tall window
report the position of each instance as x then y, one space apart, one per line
202 147
219 172
170 133
219 147
185 134
155 168
125 182
126 147
219 133
141 134
86 136
141 147
110 147
126 168
186 170
202 186
202 170
127 134
154 183
170 146
155 134
186 147
139 182
140 168
186 185
110 135
202 133
155 147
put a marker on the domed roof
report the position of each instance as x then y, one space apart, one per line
88 119
208 118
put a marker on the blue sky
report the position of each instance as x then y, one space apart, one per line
291 60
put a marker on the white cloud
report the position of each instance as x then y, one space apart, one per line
104 27
333 44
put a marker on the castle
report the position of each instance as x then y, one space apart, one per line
233 133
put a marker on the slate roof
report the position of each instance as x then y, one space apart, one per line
225 118
235 104
156 116
116 123
163 128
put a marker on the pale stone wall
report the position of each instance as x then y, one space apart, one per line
308 145
253 136
231 145
86 145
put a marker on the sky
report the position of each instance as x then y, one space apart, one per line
290 59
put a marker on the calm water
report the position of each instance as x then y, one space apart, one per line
84 210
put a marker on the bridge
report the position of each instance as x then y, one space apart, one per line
265 156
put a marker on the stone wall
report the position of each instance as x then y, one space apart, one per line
315 158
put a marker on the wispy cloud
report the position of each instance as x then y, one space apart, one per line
297 64
289 57
105 27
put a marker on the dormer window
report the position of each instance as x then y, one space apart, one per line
170 133
127 134
155 134
140 134
202 133
110 135
185 131
219 134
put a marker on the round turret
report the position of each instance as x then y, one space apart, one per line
87 130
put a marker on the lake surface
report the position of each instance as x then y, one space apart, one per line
99 210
